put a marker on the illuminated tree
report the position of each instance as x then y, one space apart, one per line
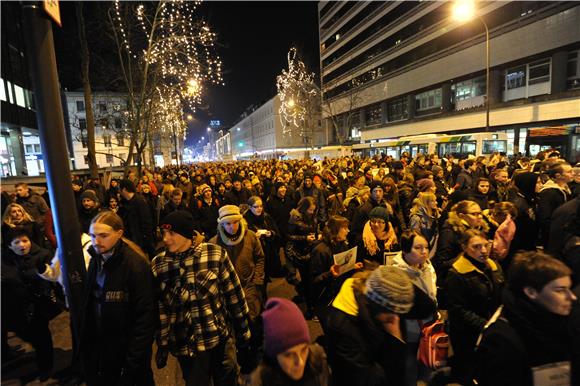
167 58
298 97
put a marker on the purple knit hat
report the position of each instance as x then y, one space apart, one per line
284 326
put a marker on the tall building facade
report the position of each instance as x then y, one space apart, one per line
260 133
20 152
392 69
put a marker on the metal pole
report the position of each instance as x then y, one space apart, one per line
486 75
49 115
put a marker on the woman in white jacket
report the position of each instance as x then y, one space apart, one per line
414 261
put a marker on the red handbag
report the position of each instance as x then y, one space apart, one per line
433 345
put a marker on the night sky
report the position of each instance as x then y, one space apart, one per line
254 39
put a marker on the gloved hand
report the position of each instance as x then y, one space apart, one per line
246 359
161 357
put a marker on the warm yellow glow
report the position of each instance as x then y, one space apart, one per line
291 103
189 117
463 10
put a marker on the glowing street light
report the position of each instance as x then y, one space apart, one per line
189 117
208 129
202 138
464 11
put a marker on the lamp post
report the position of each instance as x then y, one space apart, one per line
464 11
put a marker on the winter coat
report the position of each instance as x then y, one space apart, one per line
119 323
360 352
299 227
170 207
502 239
316 373
138 223
25 295
560 230
247 256
86 216
526 234
550 198
464 181
362 215
206 216
32 230
237 197
472 293
36 207
525 335
324 286
271 245
426 224
279 209
319 198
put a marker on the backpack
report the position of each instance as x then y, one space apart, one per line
433 345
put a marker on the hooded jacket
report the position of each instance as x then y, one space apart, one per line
551 197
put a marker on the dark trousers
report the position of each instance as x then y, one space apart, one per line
38 335
218 365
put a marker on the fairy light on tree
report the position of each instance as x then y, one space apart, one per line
167 58
297 92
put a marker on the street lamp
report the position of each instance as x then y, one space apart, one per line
464 11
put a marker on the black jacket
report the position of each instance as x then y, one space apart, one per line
360 352
473 294
205 216
24 293
118 324
550 198
325 286
527 229
235 197
280 209
525 336
138 223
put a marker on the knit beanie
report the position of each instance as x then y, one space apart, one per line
391 289
203 188
376 184
379 212
436 169
229 213
424 184
90 194
179 221
284 326
278 185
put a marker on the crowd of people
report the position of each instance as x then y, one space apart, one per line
376 248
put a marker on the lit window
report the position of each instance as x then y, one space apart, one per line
516 77
19 93
2 91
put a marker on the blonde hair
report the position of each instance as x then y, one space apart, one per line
7 219
422 202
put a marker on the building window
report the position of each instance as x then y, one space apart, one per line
515 77
468 89
86 159
373 114
428 100
397 110
29 149
103 107
3 91
82 124
19 94
109 158
37 149
118 123
120 140
107 140
104 123
539 72
80 106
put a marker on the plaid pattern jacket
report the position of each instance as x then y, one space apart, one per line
200 300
